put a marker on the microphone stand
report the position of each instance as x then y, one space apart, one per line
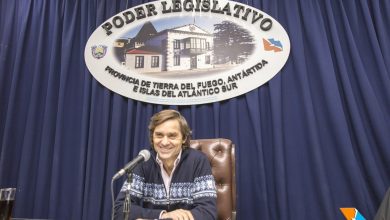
127 202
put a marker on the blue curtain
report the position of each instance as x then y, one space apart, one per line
311 140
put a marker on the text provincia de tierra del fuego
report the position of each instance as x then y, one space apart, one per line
187 89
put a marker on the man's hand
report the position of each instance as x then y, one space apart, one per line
178 214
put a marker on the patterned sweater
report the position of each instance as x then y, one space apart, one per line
192 188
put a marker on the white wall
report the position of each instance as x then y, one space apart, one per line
130 63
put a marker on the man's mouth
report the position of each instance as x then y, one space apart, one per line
164 149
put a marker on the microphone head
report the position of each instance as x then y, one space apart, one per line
145 154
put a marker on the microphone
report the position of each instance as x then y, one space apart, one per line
143 155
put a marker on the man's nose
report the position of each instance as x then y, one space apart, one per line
165 140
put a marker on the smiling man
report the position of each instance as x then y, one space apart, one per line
177 183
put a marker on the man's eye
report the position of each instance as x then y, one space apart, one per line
172 136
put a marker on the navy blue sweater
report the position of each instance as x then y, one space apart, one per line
192 188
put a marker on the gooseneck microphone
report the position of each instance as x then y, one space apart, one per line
143 155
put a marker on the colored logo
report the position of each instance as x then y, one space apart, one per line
99 51
272 45
352 214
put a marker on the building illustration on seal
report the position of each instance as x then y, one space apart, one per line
184 48
181 48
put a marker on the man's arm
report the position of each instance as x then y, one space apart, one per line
204 192
205 200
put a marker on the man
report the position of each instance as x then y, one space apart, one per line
176 183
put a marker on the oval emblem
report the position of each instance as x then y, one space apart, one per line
186 52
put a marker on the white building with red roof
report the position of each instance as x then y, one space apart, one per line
181 48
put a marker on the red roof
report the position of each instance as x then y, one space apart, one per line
138 51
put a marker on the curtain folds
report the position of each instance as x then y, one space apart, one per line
308 142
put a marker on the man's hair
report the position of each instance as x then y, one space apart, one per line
169 114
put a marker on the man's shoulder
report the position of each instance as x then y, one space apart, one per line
194 154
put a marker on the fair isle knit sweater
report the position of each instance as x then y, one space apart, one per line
192 188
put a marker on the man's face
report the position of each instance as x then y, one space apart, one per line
167 140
